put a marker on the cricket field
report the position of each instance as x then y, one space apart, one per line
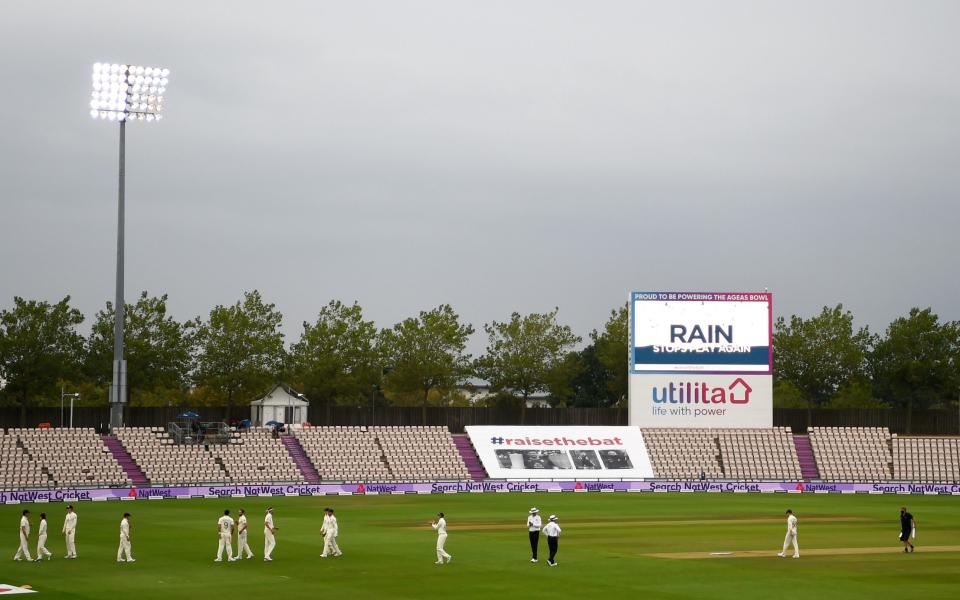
656 545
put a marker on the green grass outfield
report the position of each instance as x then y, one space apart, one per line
604 552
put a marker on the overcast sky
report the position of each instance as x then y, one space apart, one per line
497 156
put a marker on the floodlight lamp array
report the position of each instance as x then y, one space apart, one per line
128 92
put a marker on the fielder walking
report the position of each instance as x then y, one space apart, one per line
441 526
42 539
791 537
242 545
225 531
69 532
533 530
269 541
124 548
23 552
908 529
552 531
330 531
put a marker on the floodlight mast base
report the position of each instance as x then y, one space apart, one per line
118 391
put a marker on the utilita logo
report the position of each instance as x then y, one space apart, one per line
695 392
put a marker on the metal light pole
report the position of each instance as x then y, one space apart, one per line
74 396
123 93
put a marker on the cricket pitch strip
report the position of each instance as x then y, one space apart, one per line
803 552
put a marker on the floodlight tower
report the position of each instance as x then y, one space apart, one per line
124 93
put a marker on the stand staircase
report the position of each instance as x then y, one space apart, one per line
469 456
123 458
295 450
808 464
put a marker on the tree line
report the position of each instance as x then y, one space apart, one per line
237 352
825 361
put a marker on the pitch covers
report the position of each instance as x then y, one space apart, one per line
9 590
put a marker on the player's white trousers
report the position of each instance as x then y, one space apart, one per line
42 547
269 543
791 538
330 544
70 536
441 553
242 546
24 550
226 541
124 549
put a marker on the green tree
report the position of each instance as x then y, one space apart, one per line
523 354
336 360
157 347
612 352
426 353
786 395
819 354
39 347
563 379
856 393
915 365
592 383
240 349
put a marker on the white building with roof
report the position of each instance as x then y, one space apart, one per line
282 404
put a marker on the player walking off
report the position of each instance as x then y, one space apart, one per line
908 529
791 536
330 530
225 529
552 531
24 550
124 548
69 531
441 526
269 541
242 545
42 539
533 530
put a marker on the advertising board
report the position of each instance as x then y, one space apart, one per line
519 452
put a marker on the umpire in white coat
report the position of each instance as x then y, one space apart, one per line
533 530
552 531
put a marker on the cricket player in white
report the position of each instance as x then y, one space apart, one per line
791 536
441 526
24 550
42 539
69 531
330 531
125 539
225 529
269 541
242 546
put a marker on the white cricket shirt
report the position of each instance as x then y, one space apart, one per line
70 522
441 526
552 530
268 523
242 524
792 524
43 527
24 525
225 523
533 522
